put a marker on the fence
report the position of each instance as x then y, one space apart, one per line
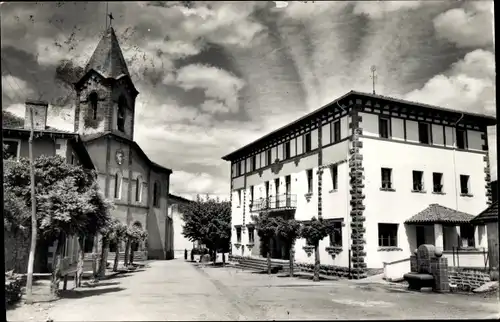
475 258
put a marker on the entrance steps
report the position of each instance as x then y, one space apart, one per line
260 264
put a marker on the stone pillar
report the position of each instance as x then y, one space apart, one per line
438 237
439 270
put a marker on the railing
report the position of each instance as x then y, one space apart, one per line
279 202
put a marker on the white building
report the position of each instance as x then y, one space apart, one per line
369 163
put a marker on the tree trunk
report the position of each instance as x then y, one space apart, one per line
291 257
132 246
223 259
214 254
316 263
81 259
127 250
104 258
117 254
56 272
97 256
269 256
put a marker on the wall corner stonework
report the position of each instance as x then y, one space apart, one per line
356 181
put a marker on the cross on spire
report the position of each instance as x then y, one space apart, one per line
373 76
108 16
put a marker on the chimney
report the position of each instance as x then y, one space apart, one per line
39 114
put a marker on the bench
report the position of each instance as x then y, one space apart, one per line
418 280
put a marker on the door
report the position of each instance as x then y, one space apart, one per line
420 235
288 184
277 185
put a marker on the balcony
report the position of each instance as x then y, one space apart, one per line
274 203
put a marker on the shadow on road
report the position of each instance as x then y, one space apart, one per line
77 294
101 284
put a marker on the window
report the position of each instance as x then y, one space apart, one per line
92 99
286 150
464 184
253 163
288 184
335 176
138 189
277 186
335 131
307 142
11 149
424 133
388 235
239 197
384 127
461 139
336 234
309 181
251 194
437 182
386 178
251 235
418 181
268 157
238 169
118 185
238 234
267 188
120 121
156 194
467 236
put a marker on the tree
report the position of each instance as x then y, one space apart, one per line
289 231
208 222
108 234
119 233
314 231
134 234
266 230
68 202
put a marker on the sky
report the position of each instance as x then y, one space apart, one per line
215 76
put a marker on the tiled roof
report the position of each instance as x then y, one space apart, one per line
439 214
107 58
490 214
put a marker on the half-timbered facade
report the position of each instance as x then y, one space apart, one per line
368 163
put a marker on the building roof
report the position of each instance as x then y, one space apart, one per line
107 58
92 137
437 214
178 199
489 120
490 214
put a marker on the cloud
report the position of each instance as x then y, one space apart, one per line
15 89
379 9
469 83
470 26
216 83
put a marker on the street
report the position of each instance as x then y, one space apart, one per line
179 290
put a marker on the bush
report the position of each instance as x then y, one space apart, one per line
13 283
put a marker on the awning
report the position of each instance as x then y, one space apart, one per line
437 214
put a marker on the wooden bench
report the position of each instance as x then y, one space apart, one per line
418 280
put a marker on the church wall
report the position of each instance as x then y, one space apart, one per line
87 123
97 151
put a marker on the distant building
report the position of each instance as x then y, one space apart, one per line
175 213
104 136
391 174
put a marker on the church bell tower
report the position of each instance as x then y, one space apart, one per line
105 95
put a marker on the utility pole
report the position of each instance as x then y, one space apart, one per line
31 260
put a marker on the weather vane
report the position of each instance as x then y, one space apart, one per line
374 77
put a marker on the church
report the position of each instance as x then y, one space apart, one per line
103 139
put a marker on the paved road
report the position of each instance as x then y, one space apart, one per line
177 290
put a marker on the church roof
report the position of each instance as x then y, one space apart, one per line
107 58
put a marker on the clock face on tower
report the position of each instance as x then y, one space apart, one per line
119 157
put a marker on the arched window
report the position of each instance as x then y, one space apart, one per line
93 104
138 189
156 194
118 185
120 122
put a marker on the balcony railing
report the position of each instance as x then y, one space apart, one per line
274 203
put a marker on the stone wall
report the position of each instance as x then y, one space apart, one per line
16 249
467 279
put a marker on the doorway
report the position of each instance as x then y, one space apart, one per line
420 235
